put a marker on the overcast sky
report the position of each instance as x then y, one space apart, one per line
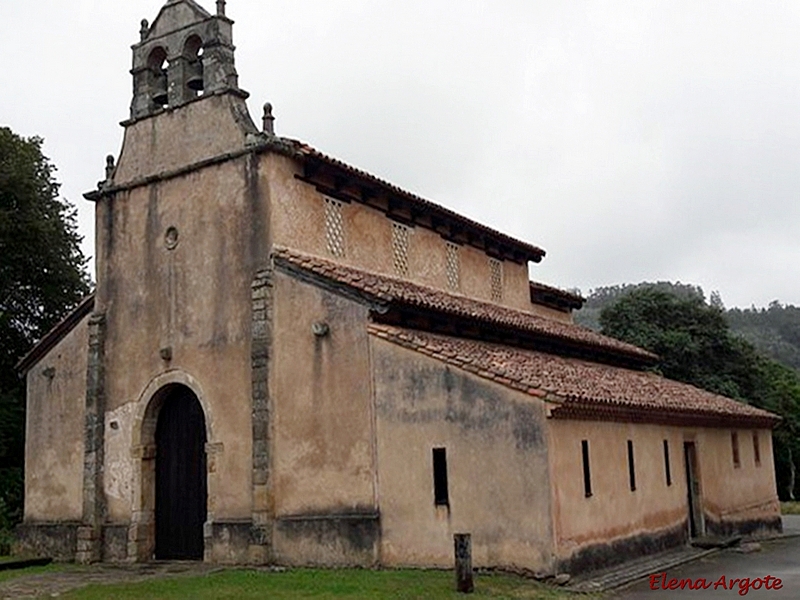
634 141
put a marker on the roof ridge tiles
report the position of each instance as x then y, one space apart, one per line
56 334
392 289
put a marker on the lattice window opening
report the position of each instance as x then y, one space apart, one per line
334 227
401 238
496 279
453 267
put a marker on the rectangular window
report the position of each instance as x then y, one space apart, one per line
334 227
440 495
666 463
452 266
496 279
587 475
756 450
400 239
735 448
631 467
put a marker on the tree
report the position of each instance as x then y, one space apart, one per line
601 297
690 336
696 346
42 276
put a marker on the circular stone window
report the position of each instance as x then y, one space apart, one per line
171 238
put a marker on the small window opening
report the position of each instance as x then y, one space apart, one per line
666 463
756 450
587 475
735 448
631 467
496 279
452 266
400 241
334 227
440 495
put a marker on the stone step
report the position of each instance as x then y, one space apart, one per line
715 541
635 570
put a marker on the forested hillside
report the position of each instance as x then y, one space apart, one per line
701 343
774 331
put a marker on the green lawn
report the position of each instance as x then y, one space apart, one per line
242 584
790 508
13 573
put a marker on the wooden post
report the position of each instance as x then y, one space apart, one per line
463 549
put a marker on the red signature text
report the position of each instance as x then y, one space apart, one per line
660 581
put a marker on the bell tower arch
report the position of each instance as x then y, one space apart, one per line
184 82
186 52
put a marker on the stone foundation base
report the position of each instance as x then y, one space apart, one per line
323 540
327 540
749 527
600 556
228 542
114 547
57 540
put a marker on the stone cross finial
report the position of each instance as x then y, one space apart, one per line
221 8
145 29
268 120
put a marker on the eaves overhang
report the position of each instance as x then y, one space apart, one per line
344 182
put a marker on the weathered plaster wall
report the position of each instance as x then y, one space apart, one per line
614 512
193 299
551 313
207 128
615 520
54 431
298 221
324 472
734 495
496 459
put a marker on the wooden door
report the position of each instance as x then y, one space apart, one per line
180 477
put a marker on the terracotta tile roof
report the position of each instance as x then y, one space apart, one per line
393 290
55 335
577 385
530 251
548 295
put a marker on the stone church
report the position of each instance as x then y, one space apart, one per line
288 360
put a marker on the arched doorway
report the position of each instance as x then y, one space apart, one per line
180 474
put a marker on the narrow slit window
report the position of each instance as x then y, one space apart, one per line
587 474
756 450
440 494
737 462
496 279
631 466
666 463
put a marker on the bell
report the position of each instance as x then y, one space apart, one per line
194 80
159 89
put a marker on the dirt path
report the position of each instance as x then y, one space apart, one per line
55 583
